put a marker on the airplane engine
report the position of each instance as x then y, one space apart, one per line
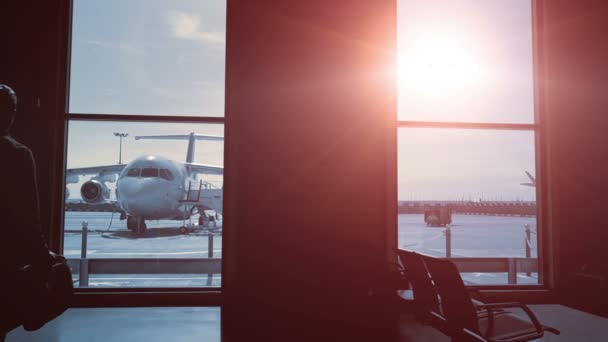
94 191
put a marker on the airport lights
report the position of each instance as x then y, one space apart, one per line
120 136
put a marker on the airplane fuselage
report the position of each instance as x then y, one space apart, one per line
152 187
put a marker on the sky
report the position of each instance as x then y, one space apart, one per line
459 60
148 57
465 60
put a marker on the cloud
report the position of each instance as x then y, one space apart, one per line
188 27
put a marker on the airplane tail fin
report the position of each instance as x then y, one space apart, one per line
532 180
192 137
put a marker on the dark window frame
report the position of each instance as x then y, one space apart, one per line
131 296
116 297
545 274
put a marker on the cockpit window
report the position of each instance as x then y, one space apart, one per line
166 174
133 172
149 172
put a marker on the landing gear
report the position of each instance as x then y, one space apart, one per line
137 225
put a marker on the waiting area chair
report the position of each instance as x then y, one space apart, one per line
445 302
423 293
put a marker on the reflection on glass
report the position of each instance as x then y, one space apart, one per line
162 207
153 57
465 61
464 193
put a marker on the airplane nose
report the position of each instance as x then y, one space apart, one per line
135 195
128 188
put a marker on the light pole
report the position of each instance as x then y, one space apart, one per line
120 136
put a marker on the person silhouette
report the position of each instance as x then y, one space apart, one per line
22 242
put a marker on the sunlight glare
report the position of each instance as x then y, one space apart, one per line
438 65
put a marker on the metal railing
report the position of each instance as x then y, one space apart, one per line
84 266
511 266
211 266
144 266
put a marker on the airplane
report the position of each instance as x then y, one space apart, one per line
153 187
532 180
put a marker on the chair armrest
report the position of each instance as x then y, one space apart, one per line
527 310
522 306
537 326
551 330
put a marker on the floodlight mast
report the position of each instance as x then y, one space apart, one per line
120 136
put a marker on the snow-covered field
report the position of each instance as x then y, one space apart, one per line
472 236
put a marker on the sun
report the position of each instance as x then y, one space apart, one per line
437 64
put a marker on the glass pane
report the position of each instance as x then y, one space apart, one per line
133 172
148 57
166 174
465 61
466 194
149 172
144 229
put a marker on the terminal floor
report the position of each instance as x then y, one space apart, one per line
575 326
174 324
203 324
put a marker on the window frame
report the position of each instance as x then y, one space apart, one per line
87 297
545 265
124 296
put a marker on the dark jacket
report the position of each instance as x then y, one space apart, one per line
21 239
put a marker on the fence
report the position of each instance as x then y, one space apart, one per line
84 266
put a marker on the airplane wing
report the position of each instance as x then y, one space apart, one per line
194 168
95 170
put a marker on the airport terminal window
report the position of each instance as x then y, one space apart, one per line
465 61
467 137
149 57
173 233
146 95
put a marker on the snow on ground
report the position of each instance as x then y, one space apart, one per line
472 236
